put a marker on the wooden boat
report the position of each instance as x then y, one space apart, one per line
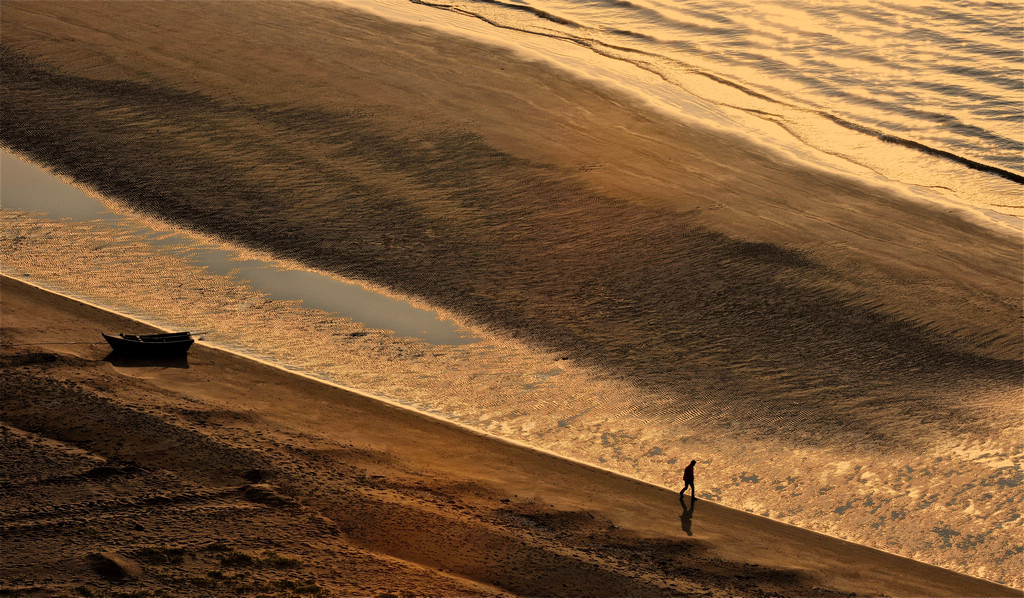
168 344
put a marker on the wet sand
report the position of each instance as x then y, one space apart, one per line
226 476
783 304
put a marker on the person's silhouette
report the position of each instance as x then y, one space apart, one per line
688 482
686 519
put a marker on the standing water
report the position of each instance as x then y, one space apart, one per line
27 188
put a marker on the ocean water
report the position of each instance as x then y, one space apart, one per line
926 94
855 435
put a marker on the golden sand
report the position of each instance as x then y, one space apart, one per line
689 264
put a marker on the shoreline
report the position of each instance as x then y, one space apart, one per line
481 476
715 280
463 428
367 395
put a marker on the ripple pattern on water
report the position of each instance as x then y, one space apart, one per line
950 497
833 354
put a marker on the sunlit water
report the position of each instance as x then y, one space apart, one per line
27 188
953 501
924 94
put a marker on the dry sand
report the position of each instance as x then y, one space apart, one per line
231 477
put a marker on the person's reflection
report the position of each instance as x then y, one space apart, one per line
686 519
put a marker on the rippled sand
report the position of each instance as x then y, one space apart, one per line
833 354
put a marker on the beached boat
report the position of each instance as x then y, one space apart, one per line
170 344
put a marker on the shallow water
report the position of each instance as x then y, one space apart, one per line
924 94
869 469
28 188
890 448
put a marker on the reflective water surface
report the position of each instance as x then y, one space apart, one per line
926 94
916 486
921 94
28 188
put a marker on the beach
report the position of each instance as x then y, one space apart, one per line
229 476
839 352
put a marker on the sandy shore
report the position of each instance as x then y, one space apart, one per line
229 476
759 304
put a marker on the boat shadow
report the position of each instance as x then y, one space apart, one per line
128 361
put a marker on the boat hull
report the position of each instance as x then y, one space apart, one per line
150 345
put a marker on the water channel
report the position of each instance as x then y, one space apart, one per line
26 187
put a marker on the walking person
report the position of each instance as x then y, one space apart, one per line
688 482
